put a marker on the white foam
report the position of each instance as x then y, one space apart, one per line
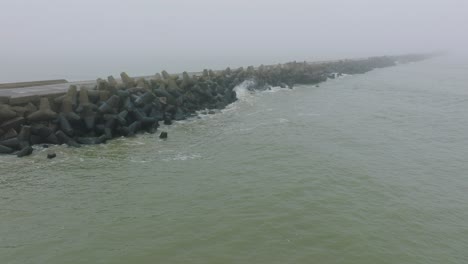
183 157
275 89
242 90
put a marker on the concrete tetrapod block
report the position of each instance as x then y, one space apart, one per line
89 117
13 143
72 94
165 75
122 117
41 130
6 113
36 140
24 137
10 133
67 140
6 150
30 108
110 106
65 125
112 81
128 82
44 113
14 123
83 96
67 109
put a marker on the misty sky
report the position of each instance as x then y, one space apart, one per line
86 39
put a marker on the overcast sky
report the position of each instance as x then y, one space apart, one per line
79 39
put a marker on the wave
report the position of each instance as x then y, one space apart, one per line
244 91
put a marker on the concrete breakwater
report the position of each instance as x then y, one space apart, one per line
28 84
115 108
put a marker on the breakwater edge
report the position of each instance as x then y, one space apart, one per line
112 108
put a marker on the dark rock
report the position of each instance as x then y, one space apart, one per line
163 135
26 151
51 155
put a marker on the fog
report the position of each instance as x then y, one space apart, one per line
86 39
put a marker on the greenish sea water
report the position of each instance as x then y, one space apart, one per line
363 169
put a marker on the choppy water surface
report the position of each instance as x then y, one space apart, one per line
364 169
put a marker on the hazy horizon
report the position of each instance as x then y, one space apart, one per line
89 39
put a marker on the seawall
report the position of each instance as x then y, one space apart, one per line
91 112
